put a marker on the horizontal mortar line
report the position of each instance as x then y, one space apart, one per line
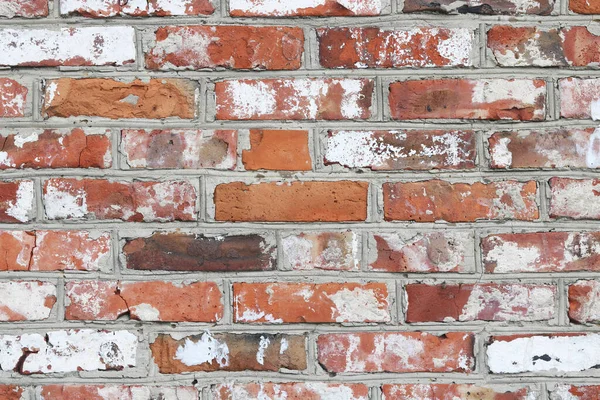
398 18
222 74
216 227
306 176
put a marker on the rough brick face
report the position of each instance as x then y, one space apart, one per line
107 392
269 99
294 201
377 48
430 201
313 303
55 148
579 98
277 150
338 251
179 148
487 302
584 7
108 98
458 391
235 47
16 201
541 252
11 392
574 392
229 352
317 8
490 99
67 46
23 8
400 150
297 390
136 8
128 201
144 301
584 302
13 98
491 7
396 352
574 198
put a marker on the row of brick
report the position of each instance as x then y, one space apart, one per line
293 302
304 99
197 47
303 390
73 350
296 201
403 252
290 150
308 8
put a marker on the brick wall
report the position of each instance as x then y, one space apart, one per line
310 199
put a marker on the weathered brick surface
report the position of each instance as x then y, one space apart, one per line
55 148
382 48
108 98
136 8
299 199
437 200
279 303
235 47
489 99
268 99
396 352
229 352
291 201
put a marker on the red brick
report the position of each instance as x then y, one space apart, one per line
16 201
235 47
574 198
575 392
109 98
314 8
229 352
556 354
541 252
584 7
584 302
72 350
144 301
311 303
23 8
484 99
480 302
110 392
394 48
11 392
26 300
552 148
336 251
55 148
189 252
13 99
490 7
401 150
292 201
291 391
579 98
84 46
67 198
53 250
455 391
277 150
179 148
435 200
396 352
426 252
574 46
294 99
158 8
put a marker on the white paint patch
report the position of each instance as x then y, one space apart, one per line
313 251
191 43
106 45
544 354
206 350
358 305
522 90
458 47
289 8
22 208
251 99
60 204
144 312
26 300
70 351
25 137
595 109
500 154
561 392
577 199
510 257
262 347
592 156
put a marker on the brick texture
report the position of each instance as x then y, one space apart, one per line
299 199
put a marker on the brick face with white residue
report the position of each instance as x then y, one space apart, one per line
299 200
